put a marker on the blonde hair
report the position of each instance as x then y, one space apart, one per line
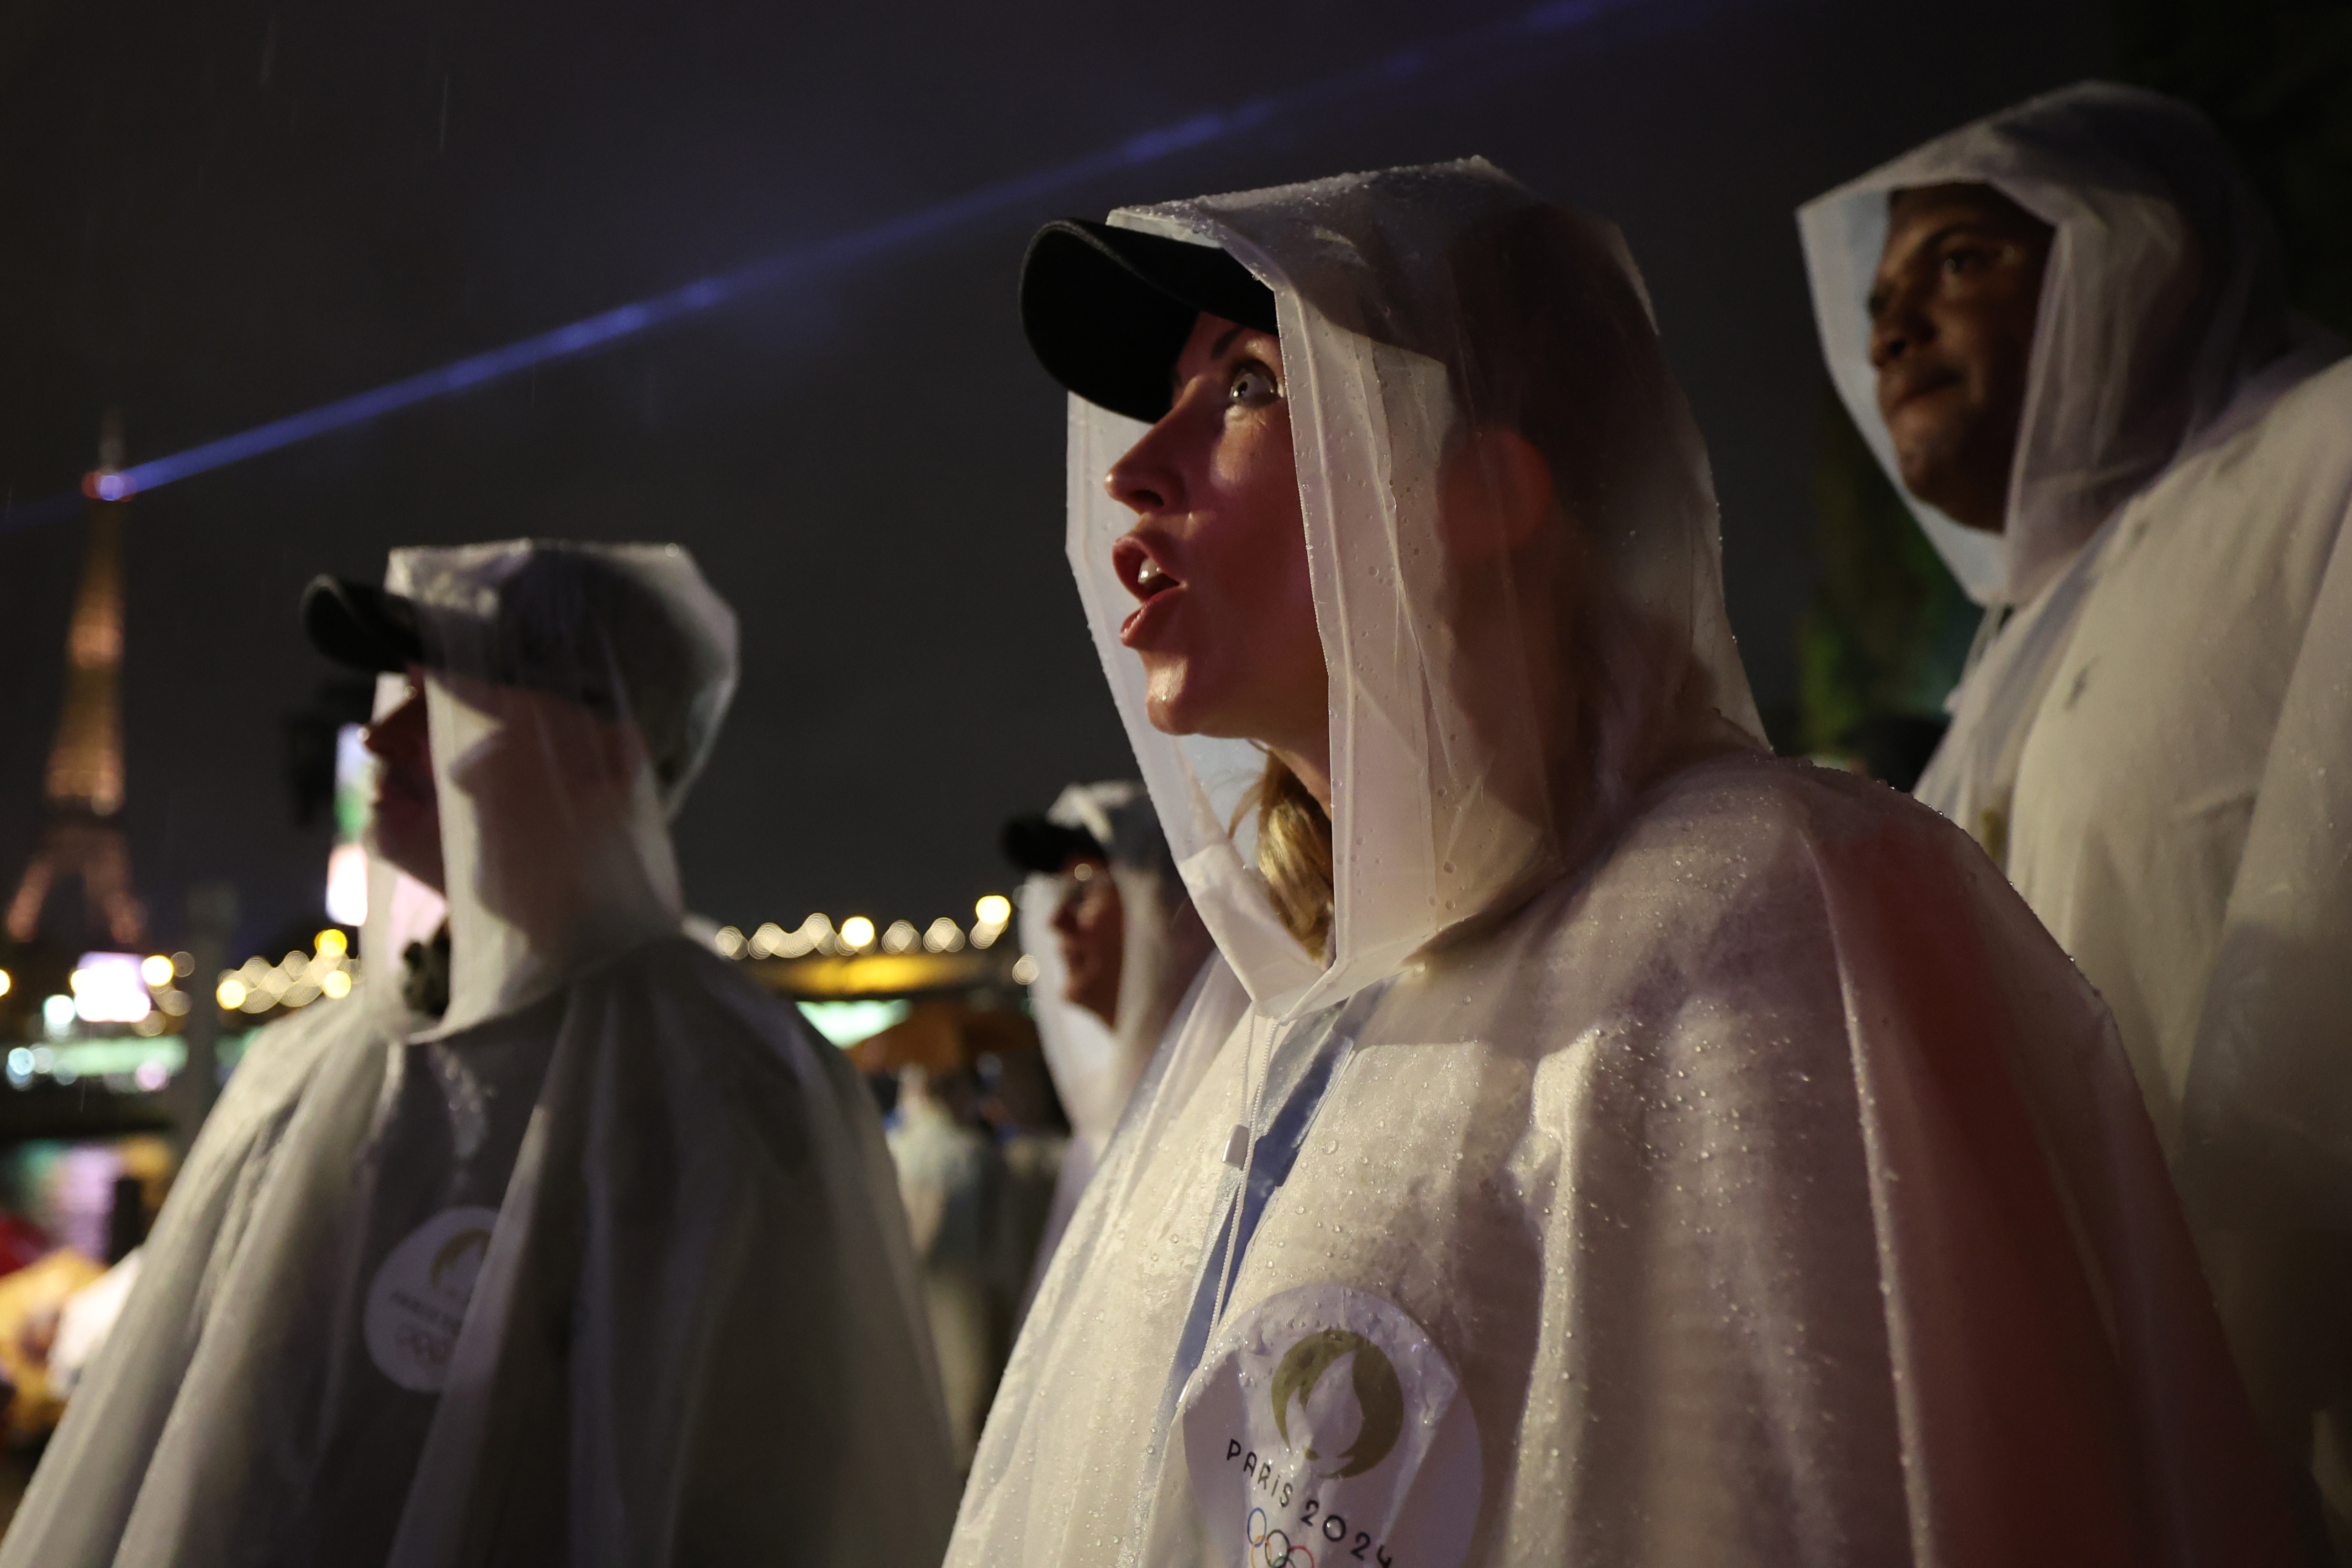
1293 854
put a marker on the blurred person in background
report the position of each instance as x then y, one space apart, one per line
1599 1142
557 1240
951 1179
1118 948
1020 1109
2064 331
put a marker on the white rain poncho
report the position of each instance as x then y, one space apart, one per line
605 1265
1688 1157
2158 743
1162 947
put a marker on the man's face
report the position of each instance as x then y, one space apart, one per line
1951 335
406 823
1092 927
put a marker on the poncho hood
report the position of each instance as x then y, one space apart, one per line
2162 295
573 693
1491 710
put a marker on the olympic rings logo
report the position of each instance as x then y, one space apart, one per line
1264 1553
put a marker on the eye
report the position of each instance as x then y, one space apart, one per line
1963 260
1253 386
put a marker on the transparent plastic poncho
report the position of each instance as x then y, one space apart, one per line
2154 743
2172 391
692 1334
1680 1156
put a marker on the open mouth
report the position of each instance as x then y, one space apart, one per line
1150 581
1153 579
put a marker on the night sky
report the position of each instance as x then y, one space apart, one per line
213 214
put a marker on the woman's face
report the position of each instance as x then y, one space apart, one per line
1217 558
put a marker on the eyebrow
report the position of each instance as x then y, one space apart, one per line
1877 295
1217 351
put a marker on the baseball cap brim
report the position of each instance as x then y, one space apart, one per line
1041 846
1106 310
361 626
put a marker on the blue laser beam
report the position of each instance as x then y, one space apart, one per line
1498 40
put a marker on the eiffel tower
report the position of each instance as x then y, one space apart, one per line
81 833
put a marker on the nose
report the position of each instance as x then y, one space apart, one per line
1898 324
400 734
1150 478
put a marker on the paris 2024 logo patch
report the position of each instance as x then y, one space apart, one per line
416 1304
1325 1429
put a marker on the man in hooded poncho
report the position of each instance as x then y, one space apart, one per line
557 1241
2065 331
1118 948
1648 1152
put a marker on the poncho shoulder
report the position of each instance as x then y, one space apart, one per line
1750 883
1831 1171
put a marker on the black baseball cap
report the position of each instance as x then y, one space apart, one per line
362 627
1038 844
1106 310
567 622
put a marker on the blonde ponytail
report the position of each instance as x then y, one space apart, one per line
1293 854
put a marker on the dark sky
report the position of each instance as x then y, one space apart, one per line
213 213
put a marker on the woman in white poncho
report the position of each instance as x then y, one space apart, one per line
1670 1155
593 1257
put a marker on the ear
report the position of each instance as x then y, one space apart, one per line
1495 494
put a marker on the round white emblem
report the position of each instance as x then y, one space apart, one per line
1323 1429
417 1302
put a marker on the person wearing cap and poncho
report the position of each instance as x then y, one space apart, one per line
1599 1142
575 1247
1118 948
2064 331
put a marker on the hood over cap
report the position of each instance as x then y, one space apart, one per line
2163 294
1495 703
1161 948
573 693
